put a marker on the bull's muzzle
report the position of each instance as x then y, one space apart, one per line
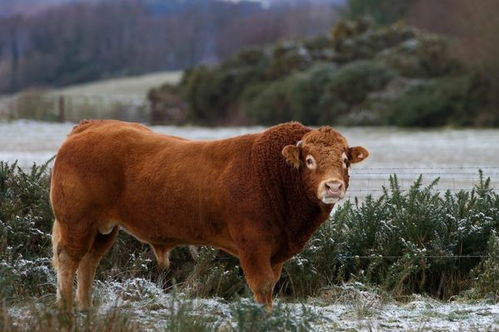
331 191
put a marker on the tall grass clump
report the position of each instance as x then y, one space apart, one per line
44 318
486 275
249 316
25 224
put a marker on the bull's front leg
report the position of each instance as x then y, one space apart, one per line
258 271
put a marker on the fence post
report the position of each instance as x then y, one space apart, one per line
61 109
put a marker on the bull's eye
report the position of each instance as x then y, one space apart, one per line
310 162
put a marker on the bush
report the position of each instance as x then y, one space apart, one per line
212 93
357 40
350 87
321 94
397 240
424 56
486 281
447 101
292 98
25 225
288 58
355 80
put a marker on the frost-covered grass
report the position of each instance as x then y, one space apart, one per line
139 304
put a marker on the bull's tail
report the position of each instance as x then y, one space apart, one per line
56 238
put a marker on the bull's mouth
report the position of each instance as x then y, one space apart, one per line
331 197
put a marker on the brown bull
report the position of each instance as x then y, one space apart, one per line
259 197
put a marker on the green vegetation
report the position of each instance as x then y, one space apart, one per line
405 242
362 74
382 11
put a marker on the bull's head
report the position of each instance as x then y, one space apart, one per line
323 157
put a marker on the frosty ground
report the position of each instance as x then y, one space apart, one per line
351 307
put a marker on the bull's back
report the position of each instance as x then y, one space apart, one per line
158 187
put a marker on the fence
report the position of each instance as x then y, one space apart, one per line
73 108
370 181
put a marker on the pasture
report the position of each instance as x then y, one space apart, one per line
118 97
410 257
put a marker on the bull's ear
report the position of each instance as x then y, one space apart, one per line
292 155
357 154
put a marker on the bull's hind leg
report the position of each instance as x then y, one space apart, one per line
88 265
68 250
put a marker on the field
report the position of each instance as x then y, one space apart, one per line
344 280
453 155
124 98
136 87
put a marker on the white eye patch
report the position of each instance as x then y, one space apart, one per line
310 162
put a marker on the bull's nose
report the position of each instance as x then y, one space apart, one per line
334 186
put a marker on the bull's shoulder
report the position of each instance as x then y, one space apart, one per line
268 146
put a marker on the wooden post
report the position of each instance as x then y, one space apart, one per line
61 109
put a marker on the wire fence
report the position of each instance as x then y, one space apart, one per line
414 256
371 181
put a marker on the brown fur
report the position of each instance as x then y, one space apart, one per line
239 194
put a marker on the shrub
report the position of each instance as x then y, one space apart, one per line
451 100
486 281
357 40
212 93
350 87
288 58
354 80
25 224
403 234
424 56
292 98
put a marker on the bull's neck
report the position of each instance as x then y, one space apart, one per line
283 188
304 216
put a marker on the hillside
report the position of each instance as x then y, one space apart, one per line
359 74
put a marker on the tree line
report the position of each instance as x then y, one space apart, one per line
79 42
